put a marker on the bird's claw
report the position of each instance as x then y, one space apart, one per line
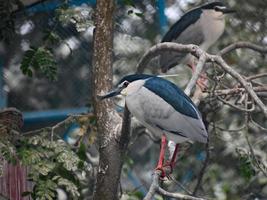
163 173
201 82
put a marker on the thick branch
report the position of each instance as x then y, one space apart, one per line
177 195
166 46
155 188
108 121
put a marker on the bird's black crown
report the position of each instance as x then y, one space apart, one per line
134 77
212 5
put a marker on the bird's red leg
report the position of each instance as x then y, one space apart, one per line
174 155
201 82
161 155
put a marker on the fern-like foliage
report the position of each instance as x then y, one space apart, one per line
52 165
39 59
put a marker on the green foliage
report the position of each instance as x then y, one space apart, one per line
52 165
39 59
51 37
246 168
128 3
82 152
7 150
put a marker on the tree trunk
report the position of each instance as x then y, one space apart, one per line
112 144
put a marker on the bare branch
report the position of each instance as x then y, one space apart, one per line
239 90
196 51
256 76
262 169
155 188
67 121
166 46
196 74
243 45
236 107
241 80
154 185
177 195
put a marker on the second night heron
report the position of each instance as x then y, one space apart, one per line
162 108
201 26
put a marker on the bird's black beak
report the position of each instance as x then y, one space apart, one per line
228 10
111 93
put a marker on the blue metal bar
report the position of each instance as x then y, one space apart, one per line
51 115
162 17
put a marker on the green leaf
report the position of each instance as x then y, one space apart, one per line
39 60
26 193
128 3
82 152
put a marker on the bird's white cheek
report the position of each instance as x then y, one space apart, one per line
124 92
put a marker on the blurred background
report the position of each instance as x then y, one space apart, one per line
60 84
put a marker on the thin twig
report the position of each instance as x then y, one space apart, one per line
241 80
239 90
256 76
51 129
203 169
249 144
236 107
256 124
243 45
182 186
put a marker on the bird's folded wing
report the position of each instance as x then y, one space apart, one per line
162 115
191 34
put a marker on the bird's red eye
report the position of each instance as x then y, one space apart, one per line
125 83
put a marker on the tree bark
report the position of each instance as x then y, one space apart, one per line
112 144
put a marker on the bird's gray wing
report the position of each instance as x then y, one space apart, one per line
160 114
187 30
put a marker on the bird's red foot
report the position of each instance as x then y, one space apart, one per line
163 173
202 82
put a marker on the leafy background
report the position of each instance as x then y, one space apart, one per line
47 65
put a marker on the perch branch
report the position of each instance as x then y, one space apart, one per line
155 188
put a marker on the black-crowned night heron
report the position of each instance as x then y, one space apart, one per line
162 108
201 26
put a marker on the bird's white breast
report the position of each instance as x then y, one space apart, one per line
213 24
